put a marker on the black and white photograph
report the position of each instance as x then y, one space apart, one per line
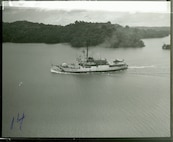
86 69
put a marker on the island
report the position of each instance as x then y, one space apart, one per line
80 33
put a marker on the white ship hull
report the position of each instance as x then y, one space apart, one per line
80 69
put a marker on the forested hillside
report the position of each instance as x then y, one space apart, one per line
80 33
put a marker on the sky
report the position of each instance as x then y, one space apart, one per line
132 13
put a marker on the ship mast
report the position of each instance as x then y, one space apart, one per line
87 43
87 52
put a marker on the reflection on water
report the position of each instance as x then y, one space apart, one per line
129 103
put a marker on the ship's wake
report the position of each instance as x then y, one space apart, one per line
149 70
141 67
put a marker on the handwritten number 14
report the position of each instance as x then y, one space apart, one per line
18 120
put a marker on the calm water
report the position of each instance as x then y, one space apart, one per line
131 103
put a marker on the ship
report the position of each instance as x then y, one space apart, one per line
166 46
89 64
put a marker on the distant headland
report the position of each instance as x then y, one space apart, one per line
80 33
